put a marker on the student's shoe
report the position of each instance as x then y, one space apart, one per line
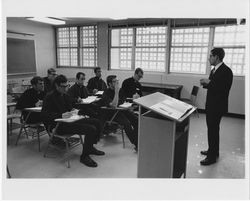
97 152
86 160
205 153
208 161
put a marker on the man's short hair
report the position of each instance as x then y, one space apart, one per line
138 70
78 75
35 80
51 70
60 79
96 69
110 79
218 52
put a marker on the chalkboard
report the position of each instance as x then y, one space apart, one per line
21 57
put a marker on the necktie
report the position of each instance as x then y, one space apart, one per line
212 71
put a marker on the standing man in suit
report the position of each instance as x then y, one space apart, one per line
96 83
48 81
218 86
131 86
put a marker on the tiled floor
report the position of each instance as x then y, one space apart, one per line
25 161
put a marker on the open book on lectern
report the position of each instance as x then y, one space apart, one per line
172 107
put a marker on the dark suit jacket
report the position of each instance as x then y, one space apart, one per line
54 105
218 89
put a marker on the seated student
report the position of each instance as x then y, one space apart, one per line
131 86
48 81
31 98
57 104
79 91
112 97
96 83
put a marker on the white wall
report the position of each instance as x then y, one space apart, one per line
46 58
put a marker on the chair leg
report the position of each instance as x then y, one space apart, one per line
46 151
123 141
38 138
20 132
25 130
67 150
11 123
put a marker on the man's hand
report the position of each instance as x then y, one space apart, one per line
95 91
79 100
66 115
204 82
136 95
39 103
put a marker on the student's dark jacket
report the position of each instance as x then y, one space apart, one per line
96 83
130 86
48 85
77 91
54 105
29 99
218 89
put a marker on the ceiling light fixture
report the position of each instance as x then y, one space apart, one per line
47 20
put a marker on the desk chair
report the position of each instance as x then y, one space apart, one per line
36 129
70 141
192 99
112 122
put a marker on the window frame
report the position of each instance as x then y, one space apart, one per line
79 47
170 28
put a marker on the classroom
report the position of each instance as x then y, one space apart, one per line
175 59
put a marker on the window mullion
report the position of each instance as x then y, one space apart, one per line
133 50
210 47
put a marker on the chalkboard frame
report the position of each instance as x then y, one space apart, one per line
21 56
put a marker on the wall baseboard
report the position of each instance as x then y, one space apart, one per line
240 116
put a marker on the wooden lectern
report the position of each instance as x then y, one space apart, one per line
163 136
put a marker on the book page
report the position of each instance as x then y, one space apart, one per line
99 93
125 105
89 99
172 107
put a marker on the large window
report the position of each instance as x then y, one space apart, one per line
232 39
147 47
143 47
189 50
77 46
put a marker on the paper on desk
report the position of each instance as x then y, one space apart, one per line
71 119
125 105
172 108
89 99
34 108
99 93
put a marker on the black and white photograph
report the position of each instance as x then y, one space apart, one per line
125 99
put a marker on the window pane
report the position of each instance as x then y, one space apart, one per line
150 59
87 57
190 37
88 36
122 37
230 35
151 36
70 44
235 59
233 40
188 60
121 58
189 50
